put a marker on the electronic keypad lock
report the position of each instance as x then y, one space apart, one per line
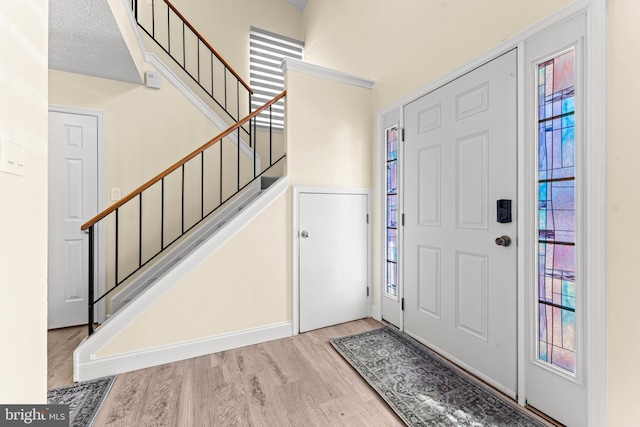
503 211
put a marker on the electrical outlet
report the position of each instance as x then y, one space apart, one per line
116 194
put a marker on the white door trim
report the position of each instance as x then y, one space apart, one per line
295 247
101 190
595 205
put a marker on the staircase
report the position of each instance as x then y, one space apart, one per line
185 247
165 220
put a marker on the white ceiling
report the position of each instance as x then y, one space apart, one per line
84 38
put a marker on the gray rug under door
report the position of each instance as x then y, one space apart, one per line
421 388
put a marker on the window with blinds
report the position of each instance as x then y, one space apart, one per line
266 52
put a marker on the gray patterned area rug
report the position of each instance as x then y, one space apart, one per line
84 399
421 388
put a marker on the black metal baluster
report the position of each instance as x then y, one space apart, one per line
252 121
221 141
91 279
212 75
117 226
140 232
153 19
182 201
202 184
225 86
162 215
184 50
238 146
198 59
169 31
238 99
270 135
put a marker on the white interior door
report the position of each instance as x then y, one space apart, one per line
460 159
73 162
333 258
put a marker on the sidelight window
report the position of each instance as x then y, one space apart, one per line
556 212
391 140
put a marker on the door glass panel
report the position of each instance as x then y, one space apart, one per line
556 212
391 137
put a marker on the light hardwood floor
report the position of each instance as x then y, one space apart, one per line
298 381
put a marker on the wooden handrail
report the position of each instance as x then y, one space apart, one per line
206 43
178 164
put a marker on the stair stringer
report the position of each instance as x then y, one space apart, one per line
86 365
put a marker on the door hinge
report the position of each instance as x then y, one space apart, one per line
367 218
367 291
402 133
402 304
403 220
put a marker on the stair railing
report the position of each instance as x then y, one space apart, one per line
149 220
186 46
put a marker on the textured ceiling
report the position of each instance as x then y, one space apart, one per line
84 38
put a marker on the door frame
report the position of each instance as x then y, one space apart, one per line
100 241
296 191
595 159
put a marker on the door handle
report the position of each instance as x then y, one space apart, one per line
503 241
304 234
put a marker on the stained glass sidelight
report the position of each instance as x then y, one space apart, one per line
556 212
391 138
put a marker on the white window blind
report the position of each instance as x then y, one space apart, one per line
266 52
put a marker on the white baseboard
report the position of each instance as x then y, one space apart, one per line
376 313
140 359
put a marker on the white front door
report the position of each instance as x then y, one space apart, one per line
460 159
333 258
73 162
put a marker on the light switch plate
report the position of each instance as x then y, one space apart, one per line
12 155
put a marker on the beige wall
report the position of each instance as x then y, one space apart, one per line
403 45
147 130
23 216
245 284
623 249
328 132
